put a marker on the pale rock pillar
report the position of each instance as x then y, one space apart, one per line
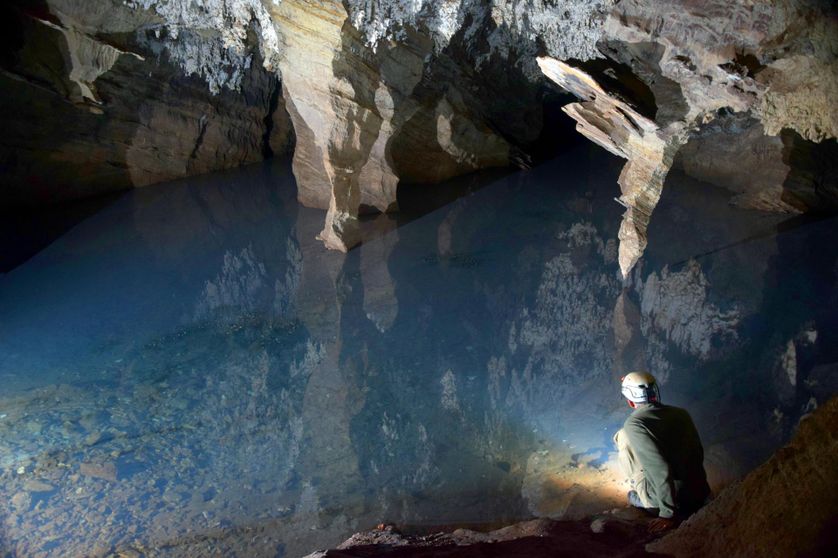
619 128
334 132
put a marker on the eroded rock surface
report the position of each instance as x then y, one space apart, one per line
775 62
620 533
116 94
619 128
722 148
373 106
786 507
103 96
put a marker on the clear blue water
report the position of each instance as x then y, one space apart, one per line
189 373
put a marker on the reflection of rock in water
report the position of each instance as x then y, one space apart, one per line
461 370
285 290
563 341
555 349
380 303
236 288
242 288
675 305
629 345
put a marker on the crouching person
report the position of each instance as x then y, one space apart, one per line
660 453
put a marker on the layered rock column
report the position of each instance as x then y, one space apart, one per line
366 117
334 132
690 66
619 128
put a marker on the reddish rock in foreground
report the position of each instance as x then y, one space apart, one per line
788 506
620 533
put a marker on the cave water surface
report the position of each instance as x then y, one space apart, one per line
189 372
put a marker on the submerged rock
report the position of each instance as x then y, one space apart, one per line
37 486
21 501
105 471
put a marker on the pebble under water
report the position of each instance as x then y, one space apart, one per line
189 373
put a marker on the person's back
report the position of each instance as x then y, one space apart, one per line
668 446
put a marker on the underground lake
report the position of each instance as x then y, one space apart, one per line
189 372
418 278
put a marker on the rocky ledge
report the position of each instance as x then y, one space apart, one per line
621 534
785 507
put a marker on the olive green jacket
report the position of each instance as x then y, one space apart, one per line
667 444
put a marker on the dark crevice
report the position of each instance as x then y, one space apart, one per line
812 182
640 81
416 200
629 119
621 82
749 63
11 35
202 123
558 131
273 103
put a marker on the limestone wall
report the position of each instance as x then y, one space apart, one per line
109 95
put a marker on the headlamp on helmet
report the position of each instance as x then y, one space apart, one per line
640 388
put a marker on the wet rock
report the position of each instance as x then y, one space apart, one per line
539 537
106 470
21 500
37 486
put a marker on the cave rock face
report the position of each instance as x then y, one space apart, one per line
619 128
768 513
383 93
377 101
365 120
684 67
114 94
102 96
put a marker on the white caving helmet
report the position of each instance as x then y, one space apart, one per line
640 388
